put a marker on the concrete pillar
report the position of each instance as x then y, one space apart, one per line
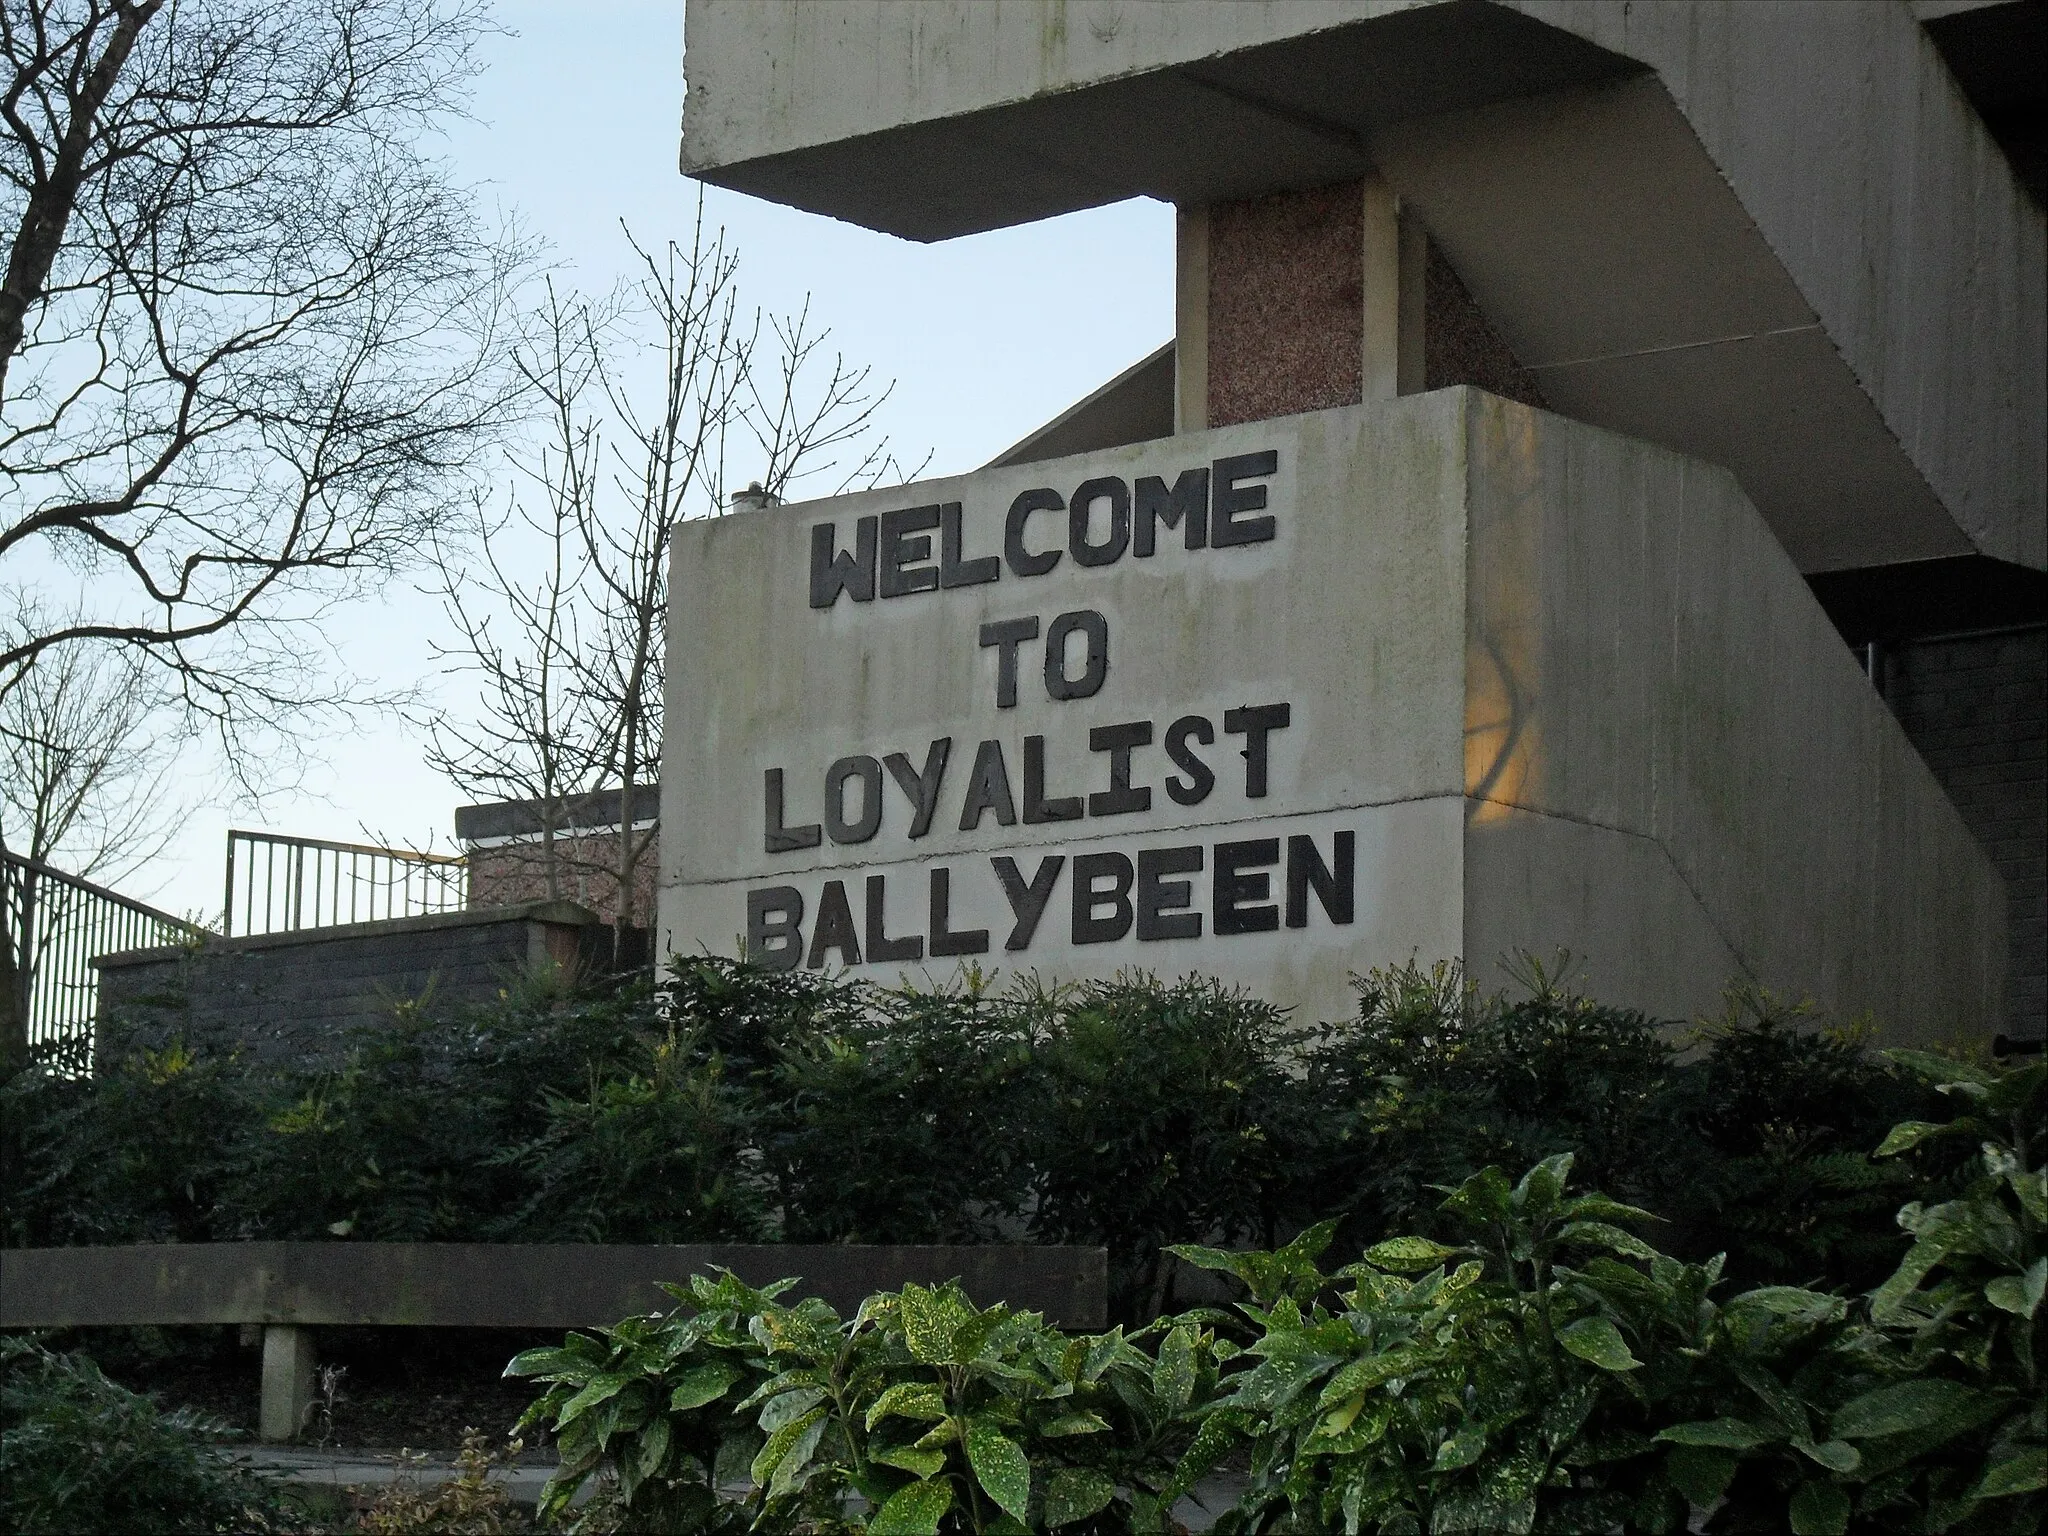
1380 301
288 1366
1414 304
1191 320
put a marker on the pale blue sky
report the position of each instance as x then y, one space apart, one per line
986 338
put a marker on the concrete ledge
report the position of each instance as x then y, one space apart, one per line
562 913
499 1285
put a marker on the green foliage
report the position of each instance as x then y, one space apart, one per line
1552 1371
650 1152
1546 1369
728 1103
1160 1113
1753 1144
1766 1155
931 1413
898 1121
79 1453
1929 1391
1505 1384
136 1155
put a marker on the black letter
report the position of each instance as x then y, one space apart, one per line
835 928
1233 888
1058 686
954 571
880 946
1254 723
1089 868
1022 561
781 839
1036 807
852 574
1111 549
1186 506
901 552
1117 741
1194 789
869 822
1305 868
988 789
1008 634
774 941
969 941
1027 902
1230 500
1158 898
923 788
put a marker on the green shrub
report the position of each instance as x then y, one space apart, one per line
731 1103
1554 1372
79 1453
651 1152
1764 1140
1749 1134
933 1414
1158 1113
901 1121
1512 1392
1926 1399
1430 1082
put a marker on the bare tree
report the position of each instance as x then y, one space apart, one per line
534 737
87 745
667 385
252 340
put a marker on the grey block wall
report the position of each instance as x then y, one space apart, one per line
294 996
1976 706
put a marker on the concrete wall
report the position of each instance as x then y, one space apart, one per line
290 997
1366 581
1675 767
1895 213
1976 708
1563 687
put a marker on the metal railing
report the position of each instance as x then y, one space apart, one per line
282 884
56 925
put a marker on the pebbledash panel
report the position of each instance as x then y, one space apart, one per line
1436 677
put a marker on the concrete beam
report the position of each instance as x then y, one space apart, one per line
497 1285
1792 247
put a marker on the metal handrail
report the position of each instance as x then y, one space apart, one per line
310 882
57 924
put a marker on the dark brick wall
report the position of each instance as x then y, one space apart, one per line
1976 706
294 996
501 874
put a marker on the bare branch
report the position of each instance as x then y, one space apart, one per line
256 347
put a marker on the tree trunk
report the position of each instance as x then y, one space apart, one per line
50 203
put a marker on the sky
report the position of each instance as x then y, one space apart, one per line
576 128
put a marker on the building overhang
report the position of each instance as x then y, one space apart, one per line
1779 238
